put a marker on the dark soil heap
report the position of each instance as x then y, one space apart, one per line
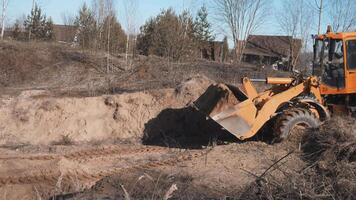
330 155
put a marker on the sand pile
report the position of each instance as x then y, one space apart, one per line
36 118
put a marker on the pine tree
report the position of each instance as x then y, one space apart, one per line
202 27
16 30
168 35
145 38
117 36
49 34
36 25
86 24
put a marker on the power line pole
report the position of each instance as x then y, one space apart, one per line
320 15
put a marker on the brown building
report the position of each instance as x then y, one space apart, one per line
213 51
64 33
264 49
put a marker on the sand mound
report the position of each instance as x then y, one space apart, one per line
34 117
193 87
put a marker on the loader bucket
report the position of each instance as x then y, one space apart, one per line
229 107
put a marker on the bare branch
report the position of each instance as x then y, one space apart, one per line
67 19
295 20
342 15
131 28
242 17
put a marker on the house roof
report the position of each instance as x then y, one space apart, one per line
272 46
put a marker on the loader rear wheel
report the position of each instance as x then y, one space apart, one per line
293 119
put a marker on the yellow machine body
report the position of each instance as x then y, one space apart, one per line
244 113
291 101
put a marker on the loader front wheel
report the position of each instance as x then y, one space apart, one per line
294 119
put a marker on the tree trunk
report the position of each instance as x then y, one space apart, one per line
2 27
4 2
108 46
127 48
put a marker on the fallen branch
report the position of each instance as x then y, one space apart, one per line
275 163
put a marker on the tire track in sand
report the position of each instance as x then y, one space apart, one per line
88 154
52 176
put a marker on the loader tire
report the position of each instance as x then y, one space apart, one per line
291 119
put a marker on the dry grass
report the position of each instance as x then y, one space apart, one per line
330 154
70 71
148 184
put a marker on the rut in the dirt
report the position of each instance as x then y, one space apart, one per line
88 154
52 176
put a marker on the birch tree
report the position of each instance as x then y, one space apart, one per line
104 13
242 18
98 8
131 29
5 3
110 13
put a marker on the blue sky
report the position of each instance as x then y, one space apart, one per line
146 9
55 8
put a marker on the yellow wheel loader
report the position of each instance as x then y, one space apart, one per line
291 102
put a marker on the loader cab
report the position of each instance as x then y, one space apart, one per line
335 62
329 62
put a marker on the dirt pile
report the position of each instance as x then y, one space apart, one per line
330 155
34 117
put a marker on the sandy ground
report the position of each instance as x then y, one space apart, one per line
71 147
223 169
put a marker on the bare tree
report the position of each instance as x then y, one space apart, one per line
242 17
295 20
104 13
342 14
5 3
131 29
109 5
99 9
67 19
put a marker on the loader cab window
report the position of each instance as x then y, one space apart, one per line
318 57
333 63
351 54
